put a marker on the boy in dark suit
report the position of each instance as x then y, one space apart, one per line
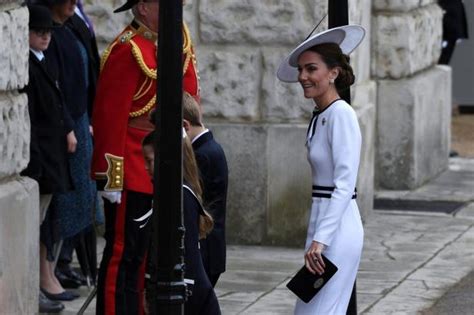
48 151
214 175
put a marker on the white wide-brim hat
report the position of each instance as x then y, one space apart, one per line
348 37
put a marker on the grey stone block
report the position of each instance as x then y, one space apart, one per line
14 133
400 44
361 57
364 102
289 185
230 84
14 50
245 147
19 246
257 22
7 5
413 121
399 5
269 183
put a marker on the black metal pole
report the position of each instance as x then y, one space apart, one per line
338 15
166 290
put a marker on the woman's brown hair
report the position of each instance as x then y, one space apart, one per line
333 57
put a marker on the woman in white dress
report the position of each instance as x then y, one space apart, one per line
321 65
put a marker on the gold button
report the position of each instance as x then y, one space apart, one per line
117 177
118 163
118 169
117 182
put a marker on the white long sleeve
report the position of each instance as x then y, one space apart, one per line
344 140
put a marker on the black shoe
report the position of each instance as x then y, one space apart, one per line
63 296
72 274
48 306
67 282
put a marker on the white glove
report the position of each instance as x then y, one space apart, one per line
112 196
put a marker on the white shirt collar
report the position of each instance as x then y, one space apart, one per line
200 134
39 54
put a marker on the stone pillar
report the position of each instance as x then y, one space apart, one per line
414 94
261 122
19 214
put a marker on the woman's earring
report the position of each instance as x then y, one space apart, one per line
331 81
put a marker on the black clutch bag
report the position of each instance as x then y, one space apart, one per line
306 285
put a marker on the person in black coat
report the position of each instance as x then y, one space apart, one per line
67 57
198 223
48 151
81 27
213 170
48 163
454 27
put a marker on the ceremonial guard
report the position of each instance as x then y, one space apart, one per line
126 94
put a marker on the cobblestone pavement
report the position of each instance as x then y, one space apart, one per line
410 259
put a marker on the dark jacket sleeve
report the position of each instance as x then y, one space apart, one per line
214 174
68 121
33 169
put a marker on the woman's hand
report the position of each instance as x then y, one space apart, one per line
71 142
313 260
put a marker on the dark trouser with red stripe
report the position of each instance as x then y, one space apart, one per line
121 274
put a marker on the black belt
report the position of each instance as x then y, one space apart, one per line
326 192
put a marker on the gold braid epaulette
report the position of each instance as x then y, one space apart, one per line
152 73
125 37
137 53
106 55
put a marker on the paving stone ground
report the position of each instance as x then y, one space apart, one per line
410 259
458 300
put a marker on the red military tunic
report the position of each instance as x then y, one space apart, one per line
126 93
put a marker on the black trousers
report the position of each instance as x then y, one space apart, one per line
122 269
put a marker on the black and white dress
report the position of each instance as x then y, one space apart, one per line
334 144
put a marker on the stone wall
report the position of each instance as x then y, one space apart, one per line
19 216
261 122
414 95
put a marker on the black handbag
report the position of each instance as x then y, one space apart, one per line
306 285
